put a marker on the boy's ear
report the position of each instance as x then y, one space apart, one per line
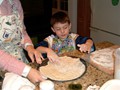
70 25
52 29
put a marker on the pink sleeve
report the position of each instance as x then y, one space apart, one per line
9 63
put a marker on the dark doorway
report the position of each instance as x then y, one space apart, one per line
37 14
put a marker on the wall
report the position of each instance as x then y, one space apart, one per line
99 36
105 21
72 12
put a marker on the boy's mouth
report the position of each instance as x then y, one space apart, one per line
64 35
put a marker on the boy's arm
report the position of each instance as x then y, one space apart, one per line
85 44
89 42
43 47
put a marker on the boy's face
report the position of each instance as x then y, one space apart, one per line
61 29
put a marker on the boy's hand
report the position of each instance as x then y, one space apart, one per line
52 56
84 48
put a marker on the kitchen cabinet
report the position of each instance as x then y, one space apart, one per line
83 17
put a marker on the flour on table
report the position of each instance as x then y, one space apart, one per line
103 57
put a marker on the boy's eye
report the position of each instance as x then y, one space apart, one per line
57 29
65 27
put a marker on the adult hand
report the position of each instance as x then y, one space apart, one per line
34 54
34 76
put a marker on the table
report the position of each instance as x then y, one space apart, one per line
93 76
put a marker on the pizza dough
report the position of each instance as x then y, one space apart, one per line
103 59
67 69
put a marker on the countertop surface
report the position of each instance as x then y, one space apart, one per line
92 76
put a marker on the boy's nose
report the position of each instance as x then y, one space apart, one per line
62 30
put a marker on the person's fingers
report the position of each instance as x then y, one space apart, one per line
83 48
39 58
39 61
49 58
31 55
78 45
89 50
34 76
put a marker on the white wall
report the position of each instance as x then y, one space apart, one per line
106 18
99 36
105 15
72 12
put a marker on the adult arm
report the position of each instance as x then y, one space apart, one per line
9 63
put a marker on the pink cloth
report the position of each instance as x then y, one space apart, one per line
5 8
8 62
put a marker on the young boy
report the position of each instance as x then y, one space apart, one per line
63 40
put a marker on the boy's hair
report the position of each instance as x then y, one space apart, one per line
59 17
